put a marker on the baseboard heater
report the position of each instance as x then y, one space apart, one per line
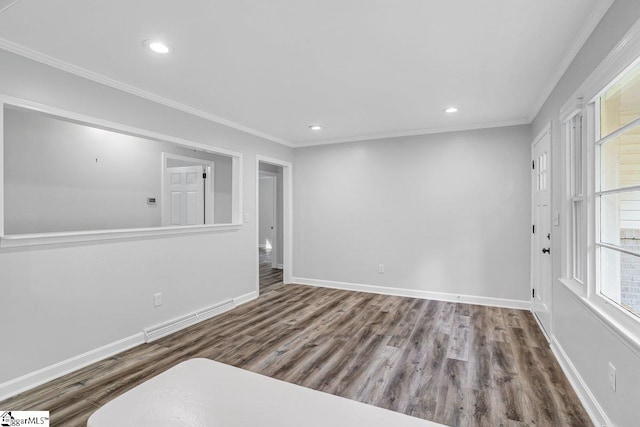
167 328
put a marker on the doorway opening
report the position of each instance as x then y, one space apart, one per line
273 223
187 191
270 225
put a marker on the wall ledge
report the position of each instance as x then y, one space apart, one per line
21 240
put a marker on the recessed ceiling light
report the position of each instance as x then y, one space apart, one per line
158 47
315 127
451 110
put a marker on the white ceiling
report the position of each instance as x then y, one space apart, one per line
360 68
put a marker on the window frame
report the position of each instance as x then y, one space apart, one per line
575 194
585 101
37 239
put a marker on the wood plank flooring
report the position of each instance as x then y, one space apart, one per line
456 364
270 278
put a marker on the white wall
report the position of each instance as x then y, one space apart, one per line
60 301
581 334
444 213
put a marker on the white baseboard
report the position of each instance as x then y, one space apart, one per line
280 266
242 299
41 376
591 405
167 328
415 293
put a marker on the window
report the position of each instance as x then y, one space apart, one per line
577 211
617 191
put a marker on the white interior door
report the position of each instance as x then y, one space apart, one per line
186 195
541 241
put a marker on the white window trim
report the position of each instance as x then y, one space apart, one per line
622 58
570 198
37 239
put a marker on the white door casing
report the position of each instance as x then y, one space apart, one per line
287 214
541 230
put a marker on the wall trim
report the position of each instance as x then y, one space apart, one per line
590 24
161 330
588 400
34 55
243 299
51 372
416 293
416 132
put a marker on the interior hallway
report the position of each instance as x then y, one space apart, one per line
270 278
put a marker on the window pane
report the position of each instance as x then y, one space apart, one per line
577 239
621 104
576 155
620 161
620 217
619 279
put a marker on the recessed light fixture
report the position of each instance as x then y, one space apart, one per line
315 127
158 47
451 110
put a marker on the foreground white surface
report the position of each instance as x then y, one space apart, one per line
201 392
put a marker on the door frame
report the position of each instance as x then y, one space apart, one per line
209 185
543 133
287 216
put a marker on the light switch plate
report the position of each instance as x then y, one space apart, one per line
556 218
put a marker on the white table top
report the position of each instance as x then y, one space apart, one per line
201 392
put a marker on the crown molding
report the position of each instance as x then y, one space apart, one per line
590 25
107 81
418 132
6 4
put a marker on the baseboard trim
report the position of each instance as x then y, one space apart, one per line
415 293
174 325
590 403
243 299
41 376
49 373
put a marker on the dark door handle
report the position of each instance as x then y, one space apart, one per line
546 250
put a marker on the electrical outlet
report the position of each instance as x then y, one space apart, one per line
612 377
157 299
246 218
381 268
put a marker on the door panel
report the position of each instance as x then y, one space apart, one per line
175 207
186 189
541 241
